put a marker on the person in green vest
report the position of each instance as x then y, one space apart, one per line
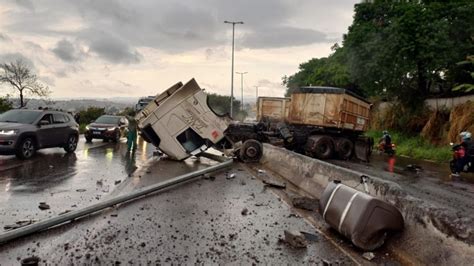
131 134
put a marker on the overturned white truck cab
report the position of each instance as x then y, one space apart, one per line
180 122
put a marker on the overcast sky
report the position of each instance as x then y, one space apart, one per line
110 48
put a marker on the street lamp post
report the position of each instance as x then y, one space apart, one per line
241 88
232 70
256 91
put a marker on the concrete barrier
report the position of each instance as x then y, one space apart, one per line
432 235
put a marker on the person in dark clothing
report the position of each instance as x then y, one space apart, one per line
77 117
386 139
464 153
132 134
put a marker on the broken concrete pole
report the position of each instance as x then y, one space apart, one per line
305 203
295 239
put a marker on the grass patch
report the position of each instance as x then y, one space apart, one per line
415 147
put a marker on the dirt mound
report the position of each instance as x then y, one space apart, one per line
435 130
461 119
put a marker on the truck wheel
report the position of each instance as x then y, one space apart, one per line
251 151
320 146
344 148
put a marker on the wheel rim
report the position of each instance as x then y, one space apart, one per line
251 152
28 148
72 143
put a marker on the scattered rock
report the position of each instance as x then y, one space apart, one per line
117 182
274 183
368 256
310 236
242 182
51 166
81 190
413 168
244 211
325 262
30 261
305 203
230 176
114 215
43 206
99 182
295 239
148 171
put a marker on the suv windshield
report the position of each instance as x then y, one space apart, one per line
20 116
107 120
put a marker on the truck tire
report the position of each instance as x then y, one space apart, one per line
344 148
320 146
251 151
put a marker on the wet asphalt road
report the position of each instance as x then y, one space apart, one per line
199 222
431 182
64 181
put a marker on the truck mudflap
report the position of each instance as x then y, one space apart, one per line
363 219
363 148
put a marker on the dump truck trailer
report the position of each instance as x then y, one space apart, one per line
321 122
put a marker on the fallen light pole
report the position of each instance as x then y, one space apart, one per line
42 225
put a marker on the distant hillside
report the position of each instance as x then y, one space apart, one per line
77 105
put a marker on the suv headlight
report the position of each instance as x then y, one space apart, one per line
87 127
111 129
8 131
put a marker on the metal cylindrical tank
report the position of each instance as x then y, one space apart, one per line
363 219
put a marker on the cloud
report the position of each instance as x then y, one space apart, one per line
12 57
282 36
112 48
26 4
66 51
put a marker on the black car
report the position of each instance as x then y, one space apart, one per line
107 127
23 132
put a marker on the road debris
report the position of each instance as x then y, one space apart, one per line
30 261
157 153
305 203
230 176
81 190
296 239
117 182
413 168
368 256
274 183
43 206
310 237
99 182
244 211
18 224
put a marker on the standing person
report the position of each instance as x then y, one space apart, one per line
77 117
131 134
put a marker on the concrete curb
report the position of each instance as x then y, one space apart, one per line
432 235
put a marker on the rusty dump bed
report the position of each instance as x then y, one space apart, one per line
329 107
273 108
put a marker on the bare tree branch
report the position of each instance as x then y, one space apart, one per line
21 78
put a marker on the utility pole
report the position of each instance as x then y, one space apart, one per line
242 88
256 91
232 70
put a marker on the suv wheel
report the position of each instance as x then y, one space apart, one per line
71 144
26 149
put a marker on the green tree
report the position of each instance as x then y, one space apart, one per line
469 64
5 105
407 48
220 104
22 79
90 114
327 71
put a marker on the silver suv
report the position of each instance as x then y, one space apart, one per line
23 132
